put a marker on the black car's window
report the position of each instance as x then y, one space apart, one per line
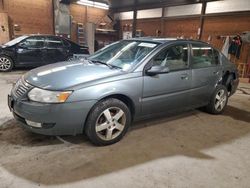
54 42
175 57
33 42
203 56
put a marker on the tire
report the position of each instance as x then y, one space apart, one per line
6 63
218 101
108 122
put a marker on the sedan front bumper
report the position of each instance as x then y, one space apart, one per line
56 119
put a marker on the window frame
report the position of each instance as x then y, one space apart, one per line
149 63
213 56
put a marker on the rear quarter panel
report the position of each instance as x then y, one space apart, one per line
229 68
227 65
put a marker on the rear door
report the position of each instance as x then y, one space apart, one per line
31 51
206 71
168 91
56 50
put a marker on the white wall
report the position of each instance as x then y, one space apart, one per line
124 15
184 10
227 6
149 13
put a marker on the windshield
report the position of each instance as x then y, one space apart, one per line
14 41
123 54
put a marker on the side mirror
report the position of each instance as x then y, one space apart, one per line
157 69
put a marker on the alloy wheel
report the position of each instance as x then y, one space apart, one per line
5 64
220 100
110 123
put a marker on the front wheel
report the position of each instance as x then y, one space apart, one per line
218 101
108 122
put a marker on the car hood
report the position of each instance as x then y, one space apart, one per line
60 76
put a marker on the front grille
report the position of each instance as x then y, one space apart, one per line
21 88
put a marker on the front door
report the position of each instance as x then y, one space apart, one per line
168 91
31 51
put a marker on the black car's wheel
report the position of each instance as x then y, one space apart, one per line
6 63
108 122
218 101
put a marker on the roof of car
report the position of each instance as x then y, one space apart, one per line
154 39
164 40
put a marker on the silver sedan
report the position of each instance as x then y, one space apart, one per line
125 81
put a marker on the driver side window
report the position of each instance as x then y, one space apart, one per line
175 58
33 42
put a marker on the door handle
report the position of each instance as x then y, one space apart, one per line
184 76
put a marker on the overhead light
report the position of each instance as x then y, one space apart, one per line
93 4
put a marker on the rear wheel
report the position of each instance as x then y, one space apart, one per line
6 63
218 101
108 122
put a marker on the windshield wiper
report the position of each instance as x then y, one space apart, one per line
103 63
100 62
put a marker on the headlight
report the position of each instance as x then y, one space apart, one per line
46 96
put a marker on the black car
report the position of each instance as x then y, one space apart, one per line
37 50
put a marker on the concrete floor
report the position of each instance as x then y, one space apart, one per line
192 149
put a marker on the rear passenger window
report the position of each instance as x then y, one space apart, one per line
203 56
53 42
